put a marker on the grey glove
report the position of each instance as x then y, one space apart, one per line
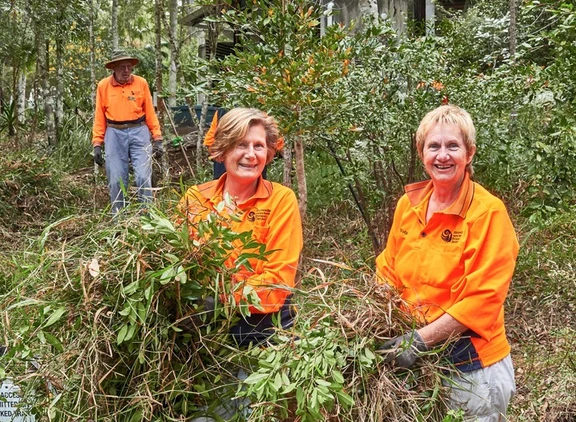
98 159
403 350
157 150
202 316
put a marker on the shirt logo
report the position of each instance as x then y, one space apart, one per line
257 215
446 236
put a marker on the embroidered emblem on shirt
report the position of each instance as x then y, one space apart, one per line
258 215
451 237
131 98
446 236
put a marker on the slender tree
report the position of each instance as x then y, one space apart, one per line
212 42
285 68
513 30
114 24
158 10
43 66
174 49
92 47
58 87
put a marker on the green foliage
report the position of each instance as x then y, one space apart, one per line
283 66
305 373
542 291
130 324
74 149
480 37
26 184
454 416
550 109
8 118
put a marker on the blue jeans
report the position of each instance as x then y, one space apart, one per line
125 146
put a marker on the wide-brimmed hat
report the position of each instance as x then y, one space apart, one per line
119 55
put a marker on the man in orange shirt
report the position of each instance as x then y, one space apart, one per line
124 119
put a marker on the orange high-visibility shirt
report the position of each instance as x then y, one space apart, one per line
123 103
461 262
273 216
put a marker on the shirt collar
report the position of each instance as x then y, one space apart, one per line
215 189
419 194
114 82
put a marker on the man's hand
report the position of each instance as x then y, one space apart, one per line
98 159
403 350
157 150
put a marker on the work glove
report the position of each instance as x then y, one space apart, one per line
98 159
403 350
157 150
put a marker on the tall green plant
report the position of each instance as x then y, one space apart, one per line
283 66
8 117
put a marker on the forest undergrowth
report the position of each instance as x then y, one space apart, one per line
45 213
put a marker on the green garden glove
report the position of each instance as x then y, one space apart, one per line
403 350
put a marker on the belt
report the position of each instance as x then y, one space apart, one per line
125 125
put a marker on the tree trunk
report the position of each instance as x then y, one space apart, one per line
43 66
92 53
512 29
396 10
59 87
114 24
158 52
158 77
213 32
173 30
200 138
200 36
93 82
301 176
21 95
11 109
287 155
